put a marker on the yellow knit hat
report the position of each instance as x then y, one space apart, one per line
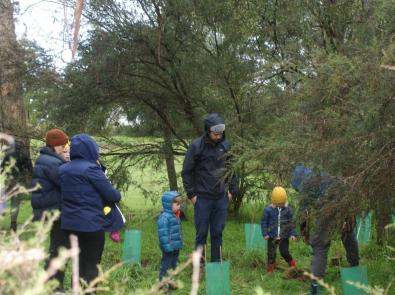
279 195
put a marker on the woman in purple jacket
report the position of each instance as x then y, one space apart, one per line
85 190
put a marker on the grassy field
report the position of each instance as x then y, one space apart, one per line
247 271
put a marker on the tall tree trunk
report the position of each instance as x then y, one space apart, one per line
384 206
169 158
12 108
168 149
197 123
238 198
383 218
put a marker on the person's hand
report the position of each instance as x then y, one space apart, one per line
193 200
230 196
293 238
266 237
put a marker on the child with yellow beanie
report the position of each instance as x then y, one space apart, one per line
277 227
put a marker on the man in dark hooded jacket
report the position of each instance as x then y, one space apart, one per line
205 180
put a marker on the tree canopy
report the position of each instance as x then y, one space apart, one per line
297 82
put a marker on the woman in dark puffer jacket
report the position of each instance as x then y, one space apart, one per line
85 191
48 197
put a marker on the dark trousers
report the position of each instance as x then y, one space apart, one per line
91 246
320 241
58 239
168 261
210 214
272 245
15 204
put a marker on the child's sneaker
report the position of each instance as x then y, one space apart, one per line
292 263
115 236
270 268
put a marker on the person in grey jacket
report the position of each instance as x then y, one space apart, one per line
315 190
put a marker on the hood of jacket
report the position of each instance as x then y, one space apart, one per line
299 176
84 147
167 200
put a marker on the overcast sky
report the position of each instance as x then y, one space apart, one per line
49 24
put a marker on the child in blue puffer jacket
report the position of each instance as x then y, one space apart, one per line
277 227
169 232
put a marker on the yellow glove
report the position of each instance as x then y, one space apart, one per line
106 210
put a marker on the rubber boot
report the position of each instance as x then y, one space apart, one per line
292 263
270 267
315 289
13 226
